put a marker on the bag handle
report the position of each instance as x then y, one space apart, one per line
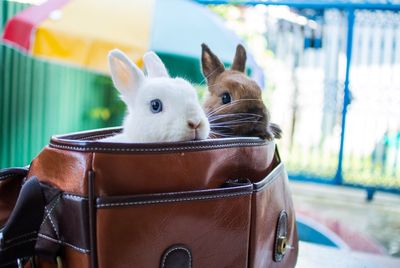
19 234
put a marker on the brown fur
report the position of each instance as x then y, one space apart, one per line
245 95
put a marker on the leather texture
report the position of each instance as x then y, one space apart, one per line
208 221
281 234
66 170
10 185
17 236
64 224
213 203
272 195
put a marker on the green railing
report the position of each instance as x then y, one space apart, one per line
39 99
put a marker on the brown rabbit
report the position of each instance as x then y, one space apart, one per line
234 105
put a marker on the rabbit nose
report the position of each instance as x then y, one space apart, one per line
194 124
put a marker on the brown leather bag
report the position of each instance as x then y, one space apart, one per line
84 203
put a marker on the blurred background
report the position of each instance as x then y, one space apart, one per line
330 73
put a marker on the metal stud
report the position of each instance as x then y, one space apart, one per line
282 245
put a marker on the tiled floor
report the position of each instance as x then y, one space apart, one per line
317 256
379 220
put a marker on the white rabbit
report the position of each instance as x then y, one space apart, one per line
160 108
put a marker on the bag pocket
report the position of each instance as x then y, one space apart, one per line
273 238
204 228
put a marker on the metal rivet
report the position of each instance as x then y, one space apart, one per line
282 244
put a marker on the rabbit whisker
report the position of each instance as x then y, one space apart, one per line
221 108
237 124
217 119
233 117
216 84
216 134
240 123
216 127
216 69
212 135
242 120
211 112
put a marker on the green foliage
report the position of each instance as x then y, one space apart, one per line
113 109
201 92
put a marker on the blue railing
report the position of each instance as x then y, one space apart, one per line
366 157
322 4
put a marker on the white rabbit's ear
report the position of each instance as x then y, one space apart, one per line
154 66
126 76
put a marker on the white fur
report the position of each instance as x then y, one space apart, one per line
154 65
178 97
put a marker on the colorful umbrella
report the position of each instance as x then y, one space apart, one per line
81 32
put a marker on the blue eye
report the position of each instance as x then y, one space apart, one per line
155 106
226 98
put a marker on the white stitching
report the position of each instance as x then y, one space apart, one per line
67 196
48 215
51 210
170 200
241 189
52 223
151 149
83 250
173 249
99 136
6 176
73 197
278 170
112 133
9 175
182 148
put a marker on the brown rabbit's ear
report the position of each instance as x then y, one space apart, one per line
239 62
210 64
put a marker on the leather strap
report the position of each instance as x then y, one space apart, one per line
11 180
19 234
6 173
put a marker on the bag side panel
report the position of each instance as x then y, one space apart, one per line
267 204
66 170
